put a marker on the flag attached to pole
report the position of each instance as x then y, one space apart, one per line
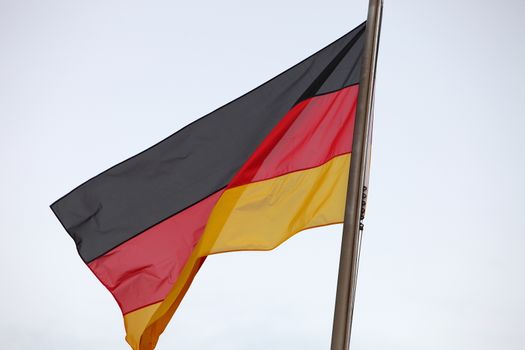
245 177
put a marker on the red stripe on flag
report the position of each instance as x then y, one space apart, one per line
314 131
142 270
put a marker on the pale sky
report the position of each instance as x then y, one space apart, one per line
86 84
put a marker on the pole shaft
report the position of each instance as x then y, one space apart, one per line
351 240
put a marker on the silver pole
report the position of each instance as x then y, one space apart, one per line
357 185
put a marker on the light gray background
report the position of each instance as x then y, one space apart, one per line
86 84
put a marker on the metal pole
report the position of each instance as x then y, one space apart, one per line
357 185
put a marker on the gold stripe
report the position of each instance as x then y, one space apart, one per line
262 215
256 216
135 323
145 325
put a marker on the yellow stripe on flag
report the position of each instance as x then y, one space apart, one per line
257 216
262 215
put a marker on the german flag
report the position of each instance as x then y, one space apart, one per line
245 177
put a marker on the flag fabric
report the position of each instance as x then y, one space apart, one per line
245 177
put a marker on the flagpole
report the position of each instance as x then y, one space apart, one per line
357 185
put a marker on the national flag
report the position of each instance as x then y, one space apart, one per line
247 176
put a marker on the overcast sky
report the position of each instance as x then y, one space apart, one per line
86 84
